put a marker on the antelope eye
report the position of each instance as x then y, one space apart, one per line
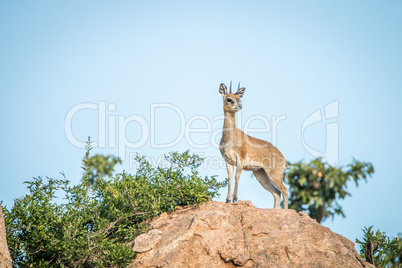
230 101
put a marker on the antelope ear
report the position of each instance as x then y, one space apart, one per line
223 89
240 92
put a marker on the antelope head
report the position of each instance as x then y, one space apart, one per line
231 101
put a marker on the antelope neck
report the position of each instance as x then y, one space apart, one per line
229 121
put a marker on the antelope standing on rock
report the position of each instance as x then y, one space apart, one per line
249 153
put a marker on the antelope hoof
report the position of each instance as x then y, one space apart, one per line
234 200
228 200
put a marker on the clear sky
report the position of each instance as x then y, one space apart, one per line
321 77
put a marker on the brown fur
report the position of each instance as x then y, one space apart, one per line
249 153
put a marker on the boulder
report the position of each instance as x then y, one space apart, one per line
5 258
217 234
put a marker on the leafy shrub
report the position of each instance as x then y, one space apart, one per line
317 186
94 222
100 166
379 249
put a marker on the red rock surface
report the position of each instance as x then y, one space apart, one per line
5 258
238 234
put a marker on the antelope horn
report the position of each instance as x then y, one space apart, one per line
230 90
238 87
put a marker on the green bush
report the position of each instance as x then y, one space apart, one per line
317 186
378 249
93 223
100 166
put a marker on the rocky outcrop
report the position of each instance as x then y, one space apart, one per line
5 258
238 234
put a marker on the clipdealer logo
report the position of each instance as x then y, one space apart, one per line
331 112
112 128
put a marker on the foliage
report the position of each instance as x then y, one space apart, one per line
317 186
93 224
396 258
100 166
379 250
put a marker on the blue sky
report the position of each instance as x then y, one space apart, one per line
145 76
